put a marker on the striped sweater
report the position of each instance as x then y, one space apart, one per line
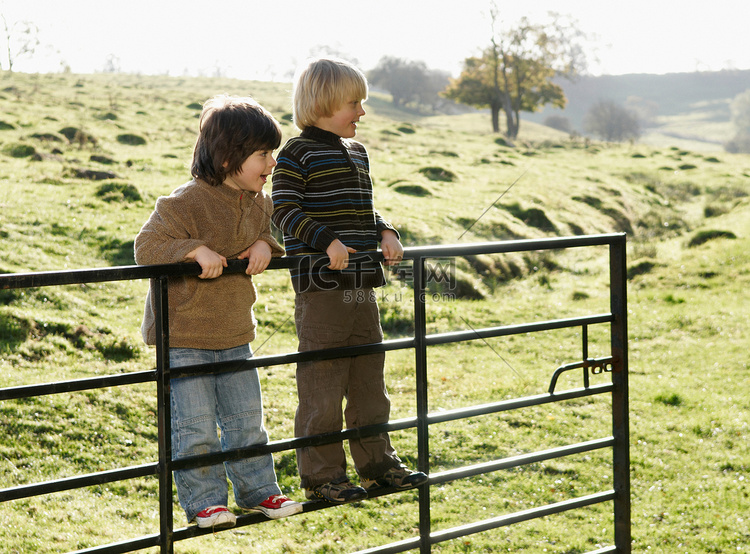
322 191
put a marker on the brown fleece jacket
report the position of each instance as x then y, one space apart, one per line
211 314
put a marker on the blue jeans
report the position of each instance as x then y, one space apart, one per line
231 400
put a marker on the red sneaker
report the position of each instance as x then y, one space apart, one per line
215 517
278 505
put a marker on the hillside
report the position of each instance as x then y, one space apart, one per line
688 109
83 159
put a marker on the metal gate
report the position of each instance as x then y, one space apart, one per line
616 365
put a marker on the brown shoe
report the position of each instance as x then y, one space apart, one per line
336 492
400 477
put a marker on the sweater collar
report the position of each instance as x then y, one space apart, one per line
316 133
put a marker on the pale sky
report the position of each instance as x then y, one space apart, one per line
267 39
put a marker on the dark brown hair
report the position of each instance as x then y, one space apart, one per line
231 128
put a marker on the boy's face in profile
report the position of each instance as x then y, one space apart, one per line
343 121
254 171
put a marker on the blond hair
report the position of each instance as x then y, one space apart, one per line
322 87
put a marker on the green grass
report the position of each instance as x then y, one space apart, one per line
688 323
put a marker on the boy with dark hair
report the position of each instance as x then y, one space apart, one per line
323 201
221 214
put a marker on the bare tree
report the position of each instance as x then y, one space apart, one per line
112 64
21 39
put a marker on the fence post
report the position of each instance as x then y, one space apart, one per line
620 417
164 414
423 430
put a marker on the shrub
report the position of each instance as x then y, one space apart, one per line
714 210
576 229
117 350
132 140
74 134
611 122
446 153
93 175
69 132
118 192
46 137
589 200
438 174
20 150
13 329
413 190
672 399
702 237
622 222
102 159
640 268
533 217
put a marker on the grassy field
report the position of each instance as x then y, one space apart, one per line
82 161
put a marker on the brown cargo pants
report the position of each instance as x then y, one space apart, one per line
327 319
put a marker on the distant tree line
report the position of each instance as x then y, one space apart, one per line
410 82
513 74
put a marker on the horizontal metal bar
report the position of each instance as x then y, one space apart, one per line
294 443
121 547
494 523
520 460
460 336
506 246
516 403
89 383
77 482
296 357
393 548
125 273
518 517
394 344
